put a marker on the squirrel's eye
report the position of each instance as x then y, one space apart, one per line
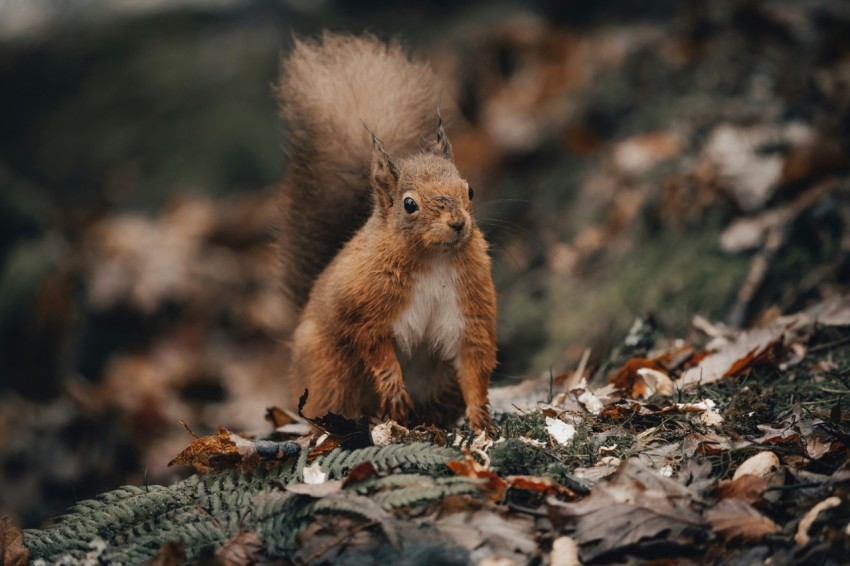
410 205
471 192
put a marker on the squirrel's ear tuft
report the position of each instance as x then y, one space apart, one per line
442 147
384 175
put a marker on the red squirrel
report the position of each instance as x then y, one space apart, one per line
381 256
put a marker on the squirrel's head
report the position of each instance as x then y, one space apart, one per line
423 196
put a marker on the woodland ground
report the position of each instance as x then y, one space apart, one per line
687 162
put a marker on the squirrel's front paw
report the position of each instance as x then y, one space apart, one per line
397 407
478 417
395 401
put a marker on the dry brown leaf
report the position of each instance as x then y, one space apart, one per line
784 435
747 488
634 507
736 519
360 472
629 380
229 450
243 549
707 444
278 417
540 485
209 453
620 412
487 531
12 549
494 486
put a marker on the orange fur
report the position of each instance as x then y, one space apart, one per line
401 319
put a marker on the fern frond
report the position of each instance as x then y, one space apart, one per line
206 511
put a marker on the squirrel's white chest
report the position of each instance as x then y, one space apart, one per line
432 318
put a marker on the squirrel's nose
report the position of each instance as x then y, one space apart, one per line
457 225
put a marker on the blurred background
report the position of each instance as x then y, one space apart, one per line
628 158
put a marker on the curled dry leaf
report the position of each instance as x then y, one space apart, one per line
384 433
736 519
229 450
656 381
632 382
591 402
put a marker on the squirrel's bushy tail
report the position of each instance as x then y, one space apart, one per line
329 88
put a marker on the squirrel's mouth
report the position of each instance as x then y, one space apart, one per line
457 240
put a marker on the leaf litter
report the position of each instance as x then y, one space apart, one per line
621 471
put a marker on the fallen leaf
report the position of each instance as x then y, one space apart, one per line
747 488
488 531
209 453
759 465
540 485
749 349
760 356
656 382
705 408
633 508
243 549
735 519
591 402
629 379
348 433
619 412
278 417
229 450
313 474
784 435
361 472
706 444
386 432
12 549
560 431
494 486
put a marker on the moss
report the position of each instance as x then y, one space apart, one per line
686 274
514 457
529 425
